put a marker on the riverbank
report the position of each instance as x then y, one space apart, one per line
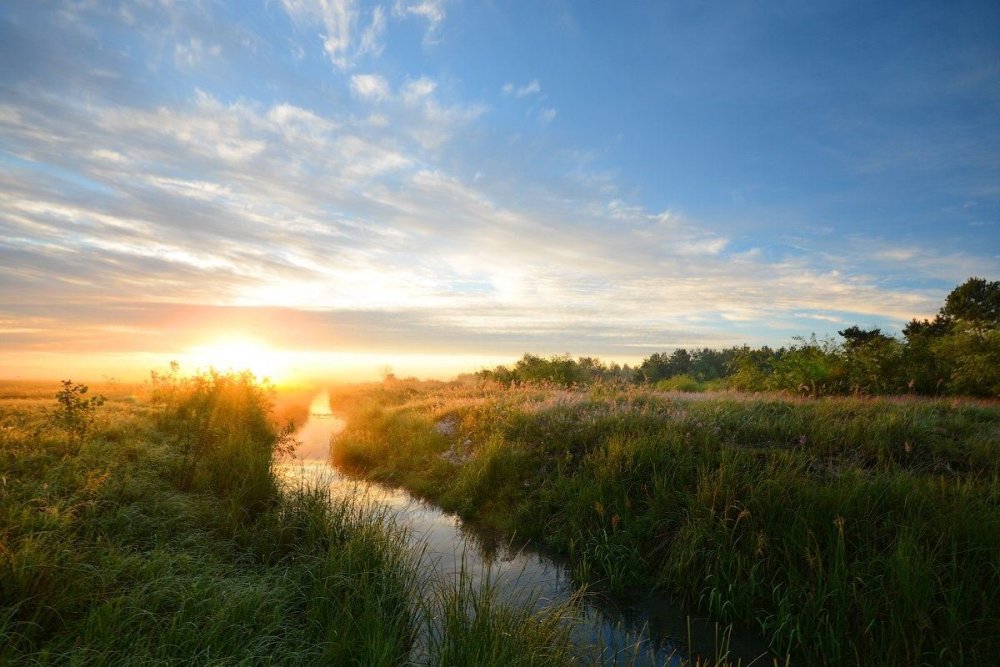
457 554
162 536
851 530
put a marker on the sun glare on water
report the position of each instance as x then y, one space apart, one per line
241 354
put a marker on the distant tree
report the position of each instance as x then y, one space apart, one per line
708 364
873 361
591 369
652 368
976 302
749 369
660 366
957 351
812 367
679 363
559 369
856 337
973 357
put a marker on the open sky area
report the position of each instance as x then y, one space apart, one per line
438 185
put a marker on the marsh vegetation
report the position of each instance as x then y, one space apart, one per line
166 537
848 530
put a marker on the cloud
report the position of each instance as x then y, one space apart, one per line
438 121
418 90
317 216
343 40
370 86
371 38
141 220
337 19
194 52
547 115
530 88
430 10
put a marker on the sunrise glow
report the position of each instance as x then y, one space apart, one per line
303 186
241 354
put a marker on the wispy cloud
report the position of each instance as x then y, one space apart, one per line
337 19
369 213
431 10
530 88
293 209
373 35
194 52
370 86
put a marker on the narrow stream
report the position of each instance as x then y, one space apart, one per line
651 631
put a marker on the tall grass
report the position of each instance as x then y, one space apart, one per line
851 531
122 555
150 546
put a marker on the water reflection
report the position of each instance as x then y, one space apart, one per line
646 631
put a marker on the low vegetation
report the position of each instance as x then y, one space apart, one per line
163 535
848 530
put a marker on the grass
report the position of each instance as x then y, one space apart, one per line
167 538
468 624
849 530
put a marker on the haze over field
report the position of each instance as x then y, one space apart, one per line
438 185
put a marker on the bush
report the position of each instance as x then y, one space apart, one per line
75 413
680 383
223 439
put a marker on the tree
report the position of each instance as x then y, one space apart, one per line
749 369
811 367
660 365
709 364
958 350
872 360
856 337
976 302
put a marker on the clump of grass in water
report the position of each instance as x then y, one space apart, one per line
466 623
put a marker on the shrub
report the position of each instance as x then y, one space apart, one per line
75 413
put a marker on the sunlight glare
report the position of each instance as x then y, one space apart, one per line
241 354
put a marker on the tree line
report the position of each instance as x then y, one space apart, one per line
956 353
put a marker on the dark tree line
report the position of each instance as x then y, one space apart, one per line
956 353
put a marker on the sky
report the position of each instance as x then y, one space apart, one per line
440 185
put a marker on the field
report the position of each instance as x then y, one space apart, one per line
848 530
161 535
152 528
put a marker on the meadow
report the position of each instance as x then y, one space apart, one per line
848 530
159 533
153 527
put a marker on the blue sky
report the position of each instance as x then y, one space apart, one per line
472 180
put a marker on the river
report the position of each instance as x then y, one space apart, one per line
650 630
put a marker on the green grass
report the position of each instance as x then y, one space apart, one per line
468 624
117 555
850 530
168 539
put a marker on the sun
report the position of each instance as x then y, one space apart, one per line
240 354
